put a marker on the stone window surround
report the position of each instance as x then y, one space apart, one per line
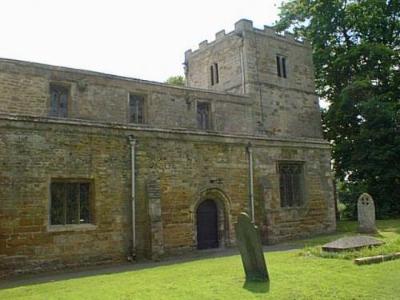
214 74
63 85
73 227
281 65
303 204
211 115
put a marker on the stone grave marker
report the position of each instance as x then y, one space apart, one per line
366 214
351 243
249 243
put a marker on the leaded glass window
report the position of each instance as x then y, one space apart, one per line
70 203
58 101
136 109
291 183
203 115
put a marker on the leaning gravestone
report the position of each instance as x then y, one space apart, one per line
366 214
249 243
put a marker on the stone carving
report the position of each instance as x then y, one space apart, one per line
366 214
249 243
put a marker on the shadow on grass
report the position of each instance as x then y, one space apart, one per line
257 287
87 271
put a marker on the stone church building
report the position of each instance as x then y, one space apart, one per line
98 168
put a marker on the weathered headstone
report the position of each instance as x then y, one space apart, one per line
366 214
249 243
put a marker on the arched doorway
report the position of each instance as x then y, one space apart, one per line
207 225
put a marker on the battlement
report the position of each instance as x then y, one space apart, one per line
247 25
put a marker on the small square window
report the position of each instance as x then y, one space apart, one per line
70 202
203 115
59 101
136 109
291 183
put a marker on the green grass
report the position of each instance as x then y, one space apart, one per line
293 276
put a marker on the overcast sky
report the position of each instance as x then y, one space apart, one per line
143 39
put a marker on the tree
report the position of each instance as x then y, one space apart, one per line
356 46
176 80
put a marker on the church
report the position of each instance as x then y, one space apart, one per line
98 168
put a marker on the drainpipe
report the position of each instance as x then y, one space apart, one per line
132 142
251 180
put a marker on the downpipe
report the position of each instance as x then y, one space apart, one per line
132 142
251 180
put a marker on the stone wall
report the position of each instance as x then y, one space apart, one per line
288 106
226 51
175 171
31 154
25 87
282 106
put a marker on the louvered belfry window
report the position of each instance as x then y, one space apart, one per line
291 182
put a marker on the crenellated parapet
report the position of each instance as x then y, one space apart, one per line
244 25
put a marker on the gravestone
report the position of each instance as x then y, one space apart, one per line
351 243
366 214
249 243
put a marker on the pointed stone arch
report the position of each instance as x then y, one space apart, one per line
223 205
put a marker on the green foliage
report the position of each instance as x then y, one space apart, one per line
356 51
176 80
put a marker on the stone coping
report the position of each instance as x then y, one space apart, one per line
376 259
88 123
29 64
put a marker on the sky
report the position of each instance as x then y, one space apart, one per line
143 39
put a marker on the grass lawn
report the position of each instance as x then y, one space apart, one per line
294 275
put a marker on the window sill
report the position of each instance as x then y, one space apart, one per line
290 209
71 227
293 207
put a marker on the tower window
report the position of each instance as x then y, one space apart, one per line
214 74
281 66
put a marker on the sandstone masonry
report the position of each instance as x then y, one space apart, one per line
191 144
